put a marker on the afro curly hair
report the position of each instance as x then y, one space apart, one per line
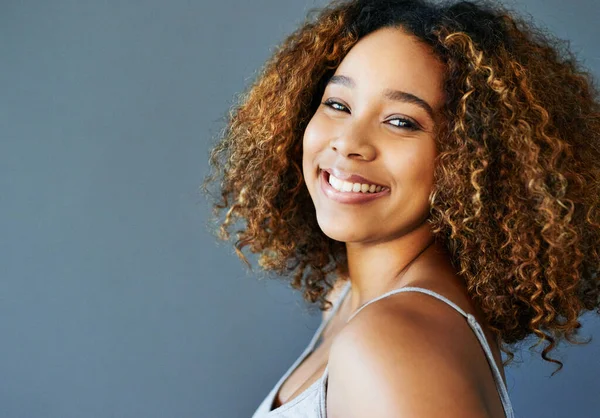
517 178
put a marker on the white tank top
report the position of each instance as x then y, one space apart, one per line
311 402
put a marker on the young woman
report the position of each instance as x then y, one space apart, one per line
434 170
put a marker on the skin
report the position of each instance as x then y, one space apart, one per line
368 139
409 354
372 138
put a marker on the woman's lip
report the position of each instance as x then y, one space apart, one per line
347 197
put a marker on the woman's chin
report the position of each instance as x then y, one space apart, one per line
341 231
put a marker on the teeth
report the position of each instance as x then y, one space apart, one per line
345 186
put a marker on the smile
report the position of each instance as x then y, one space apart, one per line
346 192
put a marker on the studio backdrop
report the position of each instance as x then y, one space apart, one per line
115 300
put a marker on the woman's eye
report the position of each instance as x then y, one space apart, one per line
404 123
335 105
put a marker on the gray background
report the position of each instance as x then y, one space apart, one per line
114 300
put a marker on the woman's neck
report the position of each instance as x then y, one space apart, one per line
378 267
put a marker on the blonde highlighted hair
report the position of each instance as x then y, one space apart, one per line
517 178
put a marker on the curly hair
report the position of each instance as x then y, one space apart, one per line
517 178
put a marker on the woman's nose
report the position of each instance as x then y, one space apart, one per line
353 142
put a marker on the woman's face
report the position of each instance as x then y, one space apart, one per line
377 120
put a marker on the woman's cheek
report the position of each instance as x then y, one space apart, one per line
317 133
310 148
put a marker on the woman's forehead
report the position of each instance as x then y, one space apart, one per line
390 58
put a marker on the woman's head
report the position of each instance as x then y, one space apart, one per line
377 119
508 175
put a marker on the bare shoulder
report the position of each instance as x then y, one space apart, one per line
397 358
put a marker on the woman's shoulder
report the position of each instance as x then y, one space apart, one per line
399 345
416 320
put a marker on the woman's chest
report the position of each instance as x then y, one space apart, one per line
309 370
313 366
305 375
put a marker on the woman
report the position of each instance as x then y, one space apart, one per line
434 171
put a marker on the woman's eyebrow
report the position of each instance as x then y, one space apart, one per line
396 95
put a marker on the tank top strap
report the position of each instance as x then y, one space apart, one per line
409 289
472 321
